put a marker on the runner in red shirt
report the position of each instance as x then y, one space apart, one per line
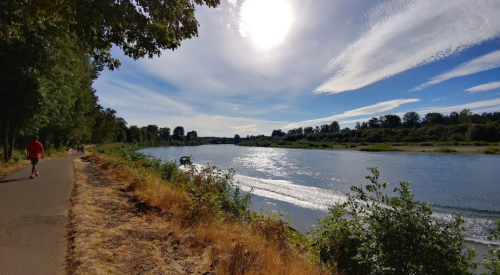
33 152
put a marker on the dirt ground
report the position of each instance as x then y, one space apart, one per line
110 232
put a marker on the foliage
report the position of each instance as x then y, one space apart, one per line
491 150
212 192
17 157
381 148
445 150
374 233
275 227
492 261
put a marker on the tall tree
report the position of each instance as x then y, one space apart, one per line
334 127
411 119
178 133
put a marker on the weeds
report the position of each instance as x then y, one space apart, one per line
445 150
206 210
491 150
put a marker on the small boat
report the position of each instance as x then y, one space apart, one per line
185 160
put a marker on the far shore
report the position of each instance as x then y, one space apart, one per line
477 150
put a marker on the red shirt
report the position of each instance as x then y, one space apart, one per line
34 149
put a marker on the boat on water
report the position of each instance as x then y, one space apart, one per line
185 160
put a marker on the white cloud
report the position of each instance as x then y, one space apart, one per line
484 87
123 94
404 34
367 110
478 106
438 99
482 63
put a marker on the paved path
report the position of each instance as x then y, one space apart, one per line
33 218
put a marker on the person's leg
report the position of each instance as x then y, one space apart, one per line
34 170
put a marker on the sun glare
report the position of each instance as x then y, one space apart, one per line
266 22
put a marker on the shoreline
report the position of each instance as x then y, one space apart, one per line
384 147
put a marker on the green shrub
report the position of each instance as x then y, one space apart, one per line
381 148
169 170
492 261
17 157
480 143
491 150
425 144
274 227
445 150
374 233
211 192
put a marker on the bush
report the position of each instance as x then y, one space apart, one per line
492 261
273 227
425 144
445 150
491 150
211 192
374 233
17 157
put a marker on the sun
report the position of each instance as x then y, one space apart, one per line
266 22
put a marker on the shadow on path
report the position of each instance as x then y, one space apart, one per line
17 179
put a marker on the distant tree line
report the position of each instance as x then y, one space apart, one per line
462 126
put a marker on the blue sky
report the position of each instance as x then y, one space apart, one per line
260 65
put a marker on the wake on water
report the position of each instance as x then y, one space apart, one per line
478 224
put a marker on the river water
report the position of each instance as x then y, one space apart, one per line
304 183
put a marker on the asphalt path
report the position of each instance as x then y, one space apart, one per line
33 218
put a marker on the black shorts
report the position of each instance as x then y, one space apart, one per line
34 161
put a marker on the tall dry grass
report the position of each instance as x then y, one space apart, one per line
230 246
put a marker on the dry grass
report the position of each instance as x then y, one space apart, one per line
11 167
134 225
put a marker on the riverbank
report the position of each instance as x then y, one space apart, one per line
424 147
127 220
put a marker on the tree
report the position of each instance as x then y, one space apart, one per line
139 28
334 127
390 121
278 133
433 119
453 118
191 135
465 116
178 133
411 119
373 123
164 134
237 139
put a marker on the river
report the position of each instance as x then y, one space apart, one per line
304 183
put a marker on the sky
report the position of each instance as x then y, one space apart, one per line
262 65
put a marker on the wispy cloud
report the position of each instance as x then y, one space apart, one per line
484 87
480 64
478 106
438 99
367 110
404 34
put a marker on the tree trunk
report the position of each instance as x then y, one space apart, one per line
5 136
12 137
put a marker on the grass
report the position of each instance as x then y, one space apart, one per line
220 243
17 162
445 150
491 150
381 148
